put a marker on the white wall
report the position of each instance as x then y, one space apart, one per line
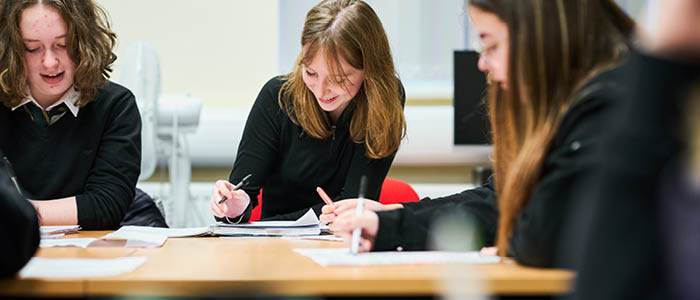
221 51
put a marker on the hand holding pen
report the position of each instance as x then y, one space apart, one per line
358 227
227 200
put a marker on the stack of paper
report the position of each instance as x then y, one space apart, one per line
308 224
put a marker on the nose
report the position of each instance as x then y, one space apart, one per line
325 85
50 60
482 64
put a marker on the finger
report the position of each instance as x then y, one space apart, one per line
342 223
327 218
365 245
224 188
327 209
215 209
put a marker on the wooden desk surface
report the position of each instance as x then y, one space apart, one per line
268 267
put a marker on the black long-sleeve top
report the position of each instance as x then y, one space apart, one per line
534 240
94 156
629 250
289 164
19 227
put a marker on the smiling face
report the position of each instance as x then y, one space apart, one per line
333 92
50 70
493 34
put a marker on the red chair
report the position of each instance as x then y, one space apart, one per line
255 214
393 191
396 191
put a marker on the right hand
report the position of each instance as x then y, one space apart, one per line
236 204
367 222
330 212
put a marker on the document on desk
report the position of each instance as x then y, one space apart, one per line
323 237
137 239
77 242
39 267
169 232
343 257
308 224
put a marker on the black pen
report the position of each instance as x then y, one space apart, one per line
241 184
11 171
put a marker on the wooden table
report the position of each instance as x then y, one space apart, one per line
221 267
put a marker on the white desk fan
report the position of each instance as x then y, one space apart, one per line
165 121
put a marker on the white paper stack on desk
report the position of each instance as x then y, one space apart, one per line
308 224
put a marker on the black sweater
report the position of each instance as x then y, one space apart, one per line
628 243
95 156
288 164
19 228
535 236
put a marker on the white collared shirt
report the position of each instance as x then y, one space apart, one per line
70 98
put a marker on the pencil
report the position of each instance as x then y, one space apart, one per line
324 196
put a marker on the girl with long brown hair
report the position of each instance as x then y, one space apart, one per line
336 117
72 136
551 64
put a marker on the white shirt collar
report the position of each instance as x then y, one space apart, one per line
69 98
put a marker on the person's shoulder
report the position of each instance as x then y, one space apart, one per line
274 84
113 98
113 89
601 91
114 94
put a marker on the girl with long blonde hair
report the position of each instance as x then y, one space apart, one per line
336 117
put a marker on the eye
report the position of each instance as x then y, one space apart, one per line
310 73
31 50
490 49
61 46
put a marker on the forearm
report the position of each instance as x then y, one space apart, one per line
57 212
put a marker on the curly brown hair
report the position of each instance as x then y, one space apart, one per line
90 44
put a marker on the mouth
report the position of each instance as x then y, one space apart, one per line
53 78
328 100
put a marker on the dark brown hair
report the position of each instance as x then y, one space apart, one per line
555 46
349 29
89 42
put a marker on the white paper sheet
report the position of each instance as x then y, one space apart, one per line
137 239
324 237
343 257
77 242
169 232
79 267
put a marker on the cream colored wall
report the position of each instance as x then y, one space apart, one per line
221 51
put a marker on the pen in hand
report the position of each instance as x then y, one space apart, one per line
11 172
355 242
324 196
236 187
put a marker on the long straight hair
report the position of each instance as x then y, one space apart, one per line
555 47
352 30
